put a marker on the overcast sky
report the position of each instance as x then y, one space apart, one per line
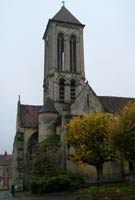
109 49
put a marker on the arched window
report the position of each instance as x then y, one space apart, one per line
73 53
60 52
61 90
72 90
32 144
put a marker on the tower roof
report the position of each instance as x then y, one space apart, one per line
63 15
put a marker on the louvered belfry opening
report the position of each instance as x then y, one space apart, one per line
72 90
61 90
60 52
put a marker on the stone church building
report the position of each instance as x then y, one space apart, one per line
66 93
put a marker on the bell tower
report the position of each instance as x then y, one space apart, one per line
64 74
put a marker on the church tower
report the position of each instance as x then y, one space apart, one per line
64 74
64 78
64 89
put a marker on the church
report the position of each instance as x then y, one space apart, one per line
66 93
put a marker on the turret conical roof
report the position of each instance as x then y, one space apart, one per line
48 106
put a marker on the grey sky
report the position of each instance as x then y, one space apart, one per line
109 48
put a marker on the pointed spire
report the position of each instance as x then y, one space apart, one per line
18 111
64 15
19 97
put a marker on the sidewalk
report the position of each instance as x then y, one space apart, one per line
5 195
9 196
50 196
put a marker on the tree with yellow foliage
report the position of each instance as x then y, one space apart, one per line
122 132
88 135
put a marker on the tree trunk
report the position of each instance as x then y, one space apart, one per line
99 169
131 171
122 169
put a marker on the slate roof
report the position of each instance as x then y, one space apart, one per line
64 15
5 160
29 113
29 116
114 104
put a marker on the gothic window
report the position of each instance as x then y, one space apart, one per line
60 52
72 90
73 53
61 90
32 143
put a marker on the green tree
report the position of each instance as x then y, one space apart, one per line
88 135
122 132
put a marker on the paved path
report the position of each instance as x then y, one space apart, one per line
59 196
5 195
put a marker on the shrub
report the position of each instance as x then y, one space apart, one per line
37 185
57 183
77 180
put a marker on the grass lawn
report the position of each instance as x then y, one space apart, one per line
116 191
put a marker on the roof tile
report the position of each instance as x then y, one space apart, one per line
29 116
5 160
114 104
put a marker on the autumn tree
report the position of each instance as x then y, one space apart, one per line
122 132
88 135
